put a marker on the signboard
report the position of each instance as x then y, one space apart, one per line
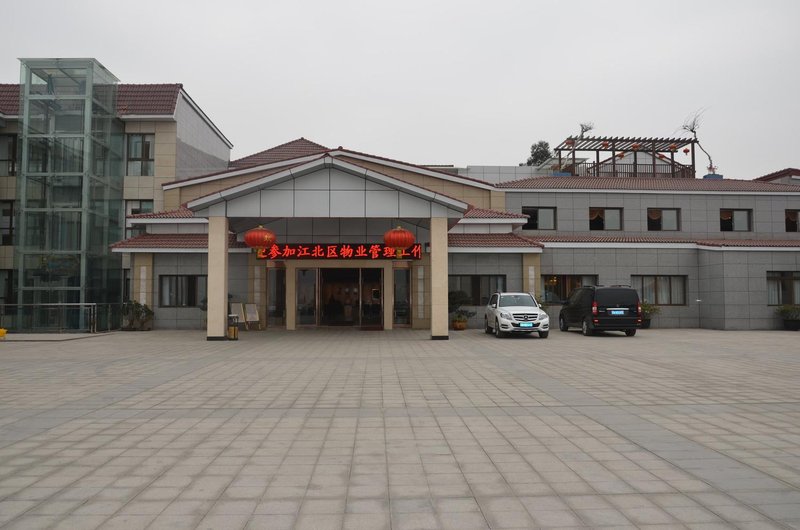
338 251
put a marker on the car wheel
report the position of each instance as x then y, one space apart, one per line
585 328
562 324
543 334
630 332
497 332
486 328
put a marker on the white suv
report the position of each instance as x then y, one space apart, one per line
515 313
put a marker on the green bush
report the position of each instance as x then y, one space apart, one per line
788 311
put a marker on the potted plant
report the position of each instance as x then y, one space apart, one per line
648 310
456 299
790 313
136 316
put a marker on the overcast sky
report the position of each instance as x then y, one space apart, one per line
450 82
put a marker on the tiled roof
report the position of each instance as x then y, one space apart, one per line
9 99
646 184
131 99
294 149
181 213
607 239
788 172
490 240
172 241
779 243
485 213
147 99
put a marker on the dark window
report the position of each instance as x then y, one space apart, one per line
735 220
556 288
141 154
126 284
660 290
791 220
8 154
6 286
182 291
479 287
663 219
540 218
6 223
134 207
605 218
783 287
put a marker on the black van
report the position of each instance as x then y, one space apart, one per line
601 308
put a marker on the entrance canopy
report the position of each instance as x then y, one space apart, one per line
326 188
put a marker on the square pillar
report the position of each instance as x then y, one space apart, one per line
439 282
217 278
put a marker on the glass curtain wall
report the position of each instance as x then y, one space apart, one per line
69 188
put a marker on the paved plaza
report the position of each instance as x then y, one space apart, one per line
376 430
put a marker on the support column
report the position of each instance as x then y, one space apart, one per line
217 278
142 279
291 296
439 278
531 275
388 296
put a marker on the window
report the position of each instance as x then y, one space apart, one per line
605 218
6 286
134 207
127 279
735 220
8 154
783 288
660 290
663 219
479 287
141 151
540 218
791 220
6 223
182 291
556 288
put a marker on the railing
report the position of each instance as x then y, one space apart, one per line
607 170
60 318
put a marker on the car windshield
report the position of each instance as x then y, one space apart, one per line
510 300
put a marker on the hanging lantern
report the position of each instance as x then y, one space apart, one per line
620 155
605 145
399 239
635 147
259 238
570 142
686 150
673 147
661 156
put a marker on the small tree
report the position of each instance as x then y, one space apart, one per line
540 151
691 125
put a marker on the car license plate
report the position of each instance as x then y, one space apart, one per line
617 312
526 324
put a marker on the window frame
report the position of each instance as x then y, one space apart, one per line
476 284
661 220
564 285
192 291
132 231
527 211
791 277
148 156
602 216
655 277
7 233
796 220
748 211
12 153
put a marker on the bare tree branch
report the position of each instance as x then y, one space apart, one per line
691 124
586 127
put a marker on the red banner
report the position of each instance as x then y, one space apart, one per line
341 251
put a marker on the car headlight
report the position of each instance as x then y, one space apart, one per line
505 315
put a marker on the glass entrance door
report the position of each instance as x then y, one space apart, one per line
306 297
372 298
339 290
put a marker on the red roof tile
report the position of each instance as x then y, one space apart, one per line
181 213
173 241
294 149
131 99
750 243
490 240
484 213
788 172
607 239
646 184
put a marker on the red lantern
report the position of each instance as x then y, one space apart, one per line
605 145
259 238
569 142
660 156
673 147
620 155
399 239
635 147
685 150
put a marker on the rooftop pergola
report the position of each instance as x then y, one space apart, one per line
614 147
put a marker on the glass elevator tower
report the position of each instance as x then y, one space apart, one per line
69 188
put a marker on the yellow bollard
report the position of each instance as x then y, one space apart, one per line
3 333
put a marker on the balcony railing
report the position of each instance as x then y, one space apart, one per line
608 170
